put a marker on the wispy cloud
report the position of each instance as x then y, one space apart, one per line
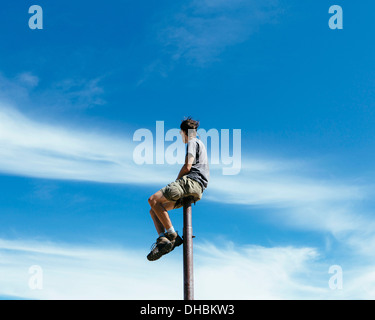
301 201
17 88
71 93
296 197
37 149
280 188
79 92
203 29
58 151
89 272
221 272
287 187
28 79
44 150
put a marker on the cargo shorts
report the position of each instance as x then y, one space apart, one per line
182 188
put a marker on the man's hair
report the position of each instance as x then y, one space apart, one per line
189 124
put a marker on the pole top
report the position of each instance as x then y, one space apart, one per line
188 200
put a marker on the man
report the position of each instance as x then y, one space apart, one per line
191 181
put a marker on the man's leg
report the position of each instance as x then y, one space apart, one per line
158 225
159 213
159 205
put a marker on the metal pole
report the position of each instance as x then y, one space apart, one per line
188 251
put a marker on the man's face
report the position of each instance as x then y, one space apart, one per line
184 136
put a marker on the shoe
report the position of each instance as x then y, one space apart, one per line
164 245
175 239
171 236
177 242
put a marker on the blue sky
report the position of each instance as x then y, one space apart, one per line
74 202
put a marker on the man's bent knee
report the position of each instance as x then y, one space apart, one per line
152 201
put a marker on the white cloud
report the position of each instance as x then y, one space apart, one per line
255 272
32 148
44 150
79 272
61 95
277 188
28 79
18 88
81 93
203 29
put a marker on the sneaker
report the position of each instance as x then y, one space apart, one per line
171 236
177 242
164 245
175 239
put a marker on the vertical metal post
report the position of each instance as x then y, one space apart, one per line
188 251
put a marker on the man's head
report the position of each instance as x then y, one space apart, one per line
189 129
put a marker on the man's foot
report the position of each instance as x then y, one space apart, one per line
164 245
177 242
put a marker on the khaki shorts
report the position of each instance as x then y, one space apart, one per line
182 188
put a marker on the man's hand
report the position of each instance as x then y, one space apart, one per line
189 160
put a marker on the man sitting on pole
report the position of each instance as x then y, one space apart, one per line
191 181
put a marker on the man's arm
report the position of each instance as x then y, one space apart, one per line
189 160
